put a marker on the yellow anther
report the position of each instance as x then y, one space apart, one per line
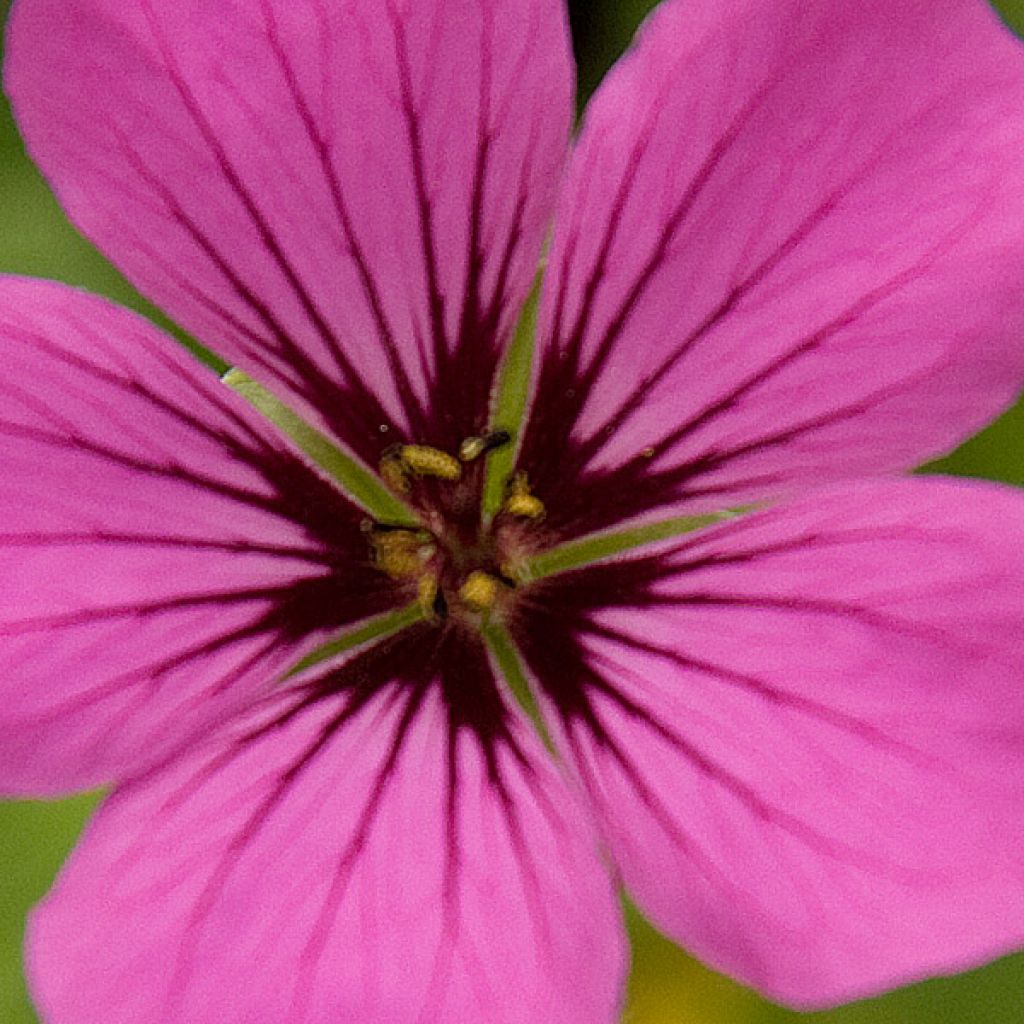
524 506
473 447
520 502
394 474
427 593
425 461
479 591
402 554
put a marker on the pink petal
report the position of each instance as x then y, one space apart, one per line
162 557
350 860
790 249
347 195
804 732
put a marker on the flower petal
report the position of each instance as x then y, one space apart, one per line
340 196
789 250
804 732
162 555
358 858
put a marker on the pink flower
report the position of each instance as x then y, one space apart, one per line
787 261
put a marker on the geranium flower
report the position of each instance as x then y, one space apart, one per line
288 615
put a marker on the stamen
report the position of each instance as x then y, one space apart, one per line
401 461
425 461
520 502
427 594
394 473
401 553
480 591
473 447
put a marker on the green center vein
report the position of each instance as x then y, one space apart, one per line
354 479
576 554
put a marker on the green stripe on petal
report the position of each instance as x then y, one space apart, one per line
510 666
357 482
510 401
598 546
373 629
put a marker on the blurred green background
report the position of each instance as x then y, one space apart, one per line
666 986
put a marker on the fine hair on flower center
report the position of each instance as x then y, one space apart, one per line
454 560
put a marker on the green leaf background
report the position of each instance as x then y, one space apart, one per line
666 986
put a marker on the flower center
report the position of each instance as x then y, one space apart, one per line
453 560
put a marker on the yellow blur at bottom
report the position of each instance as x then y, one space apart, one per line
668 987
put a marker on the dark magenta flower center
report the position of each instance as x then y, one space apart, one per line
457 559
